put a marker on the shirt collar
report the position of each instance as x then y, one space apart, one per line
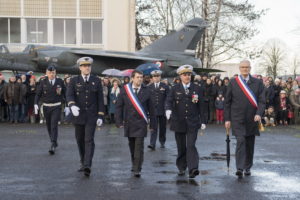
186 85
83 76
247 78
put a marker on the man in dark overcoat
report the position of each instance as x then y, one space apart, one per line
133 107
243 115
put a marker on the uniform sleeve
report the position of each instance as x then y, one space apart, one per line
70 94
261 100
63 90
119 112
39 92
201 105
100 101
228 100
170 99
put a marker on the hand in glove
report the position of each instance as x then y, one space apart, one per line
67 111
168 114
36 109
99 122
75 111
203 126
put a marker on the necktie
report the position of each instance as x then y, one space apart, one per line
156 85
136 90
86 79
51 82
186 90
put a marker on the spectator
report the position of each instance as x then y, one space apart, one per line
23 99
31 88
282 108
219 103
295 101
114 93
126 80
270 116
270 94
2 102
12 96
295 85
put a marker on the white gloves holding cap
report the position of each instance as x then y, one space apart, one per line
203 126
99 122
168 114
75 110
36 109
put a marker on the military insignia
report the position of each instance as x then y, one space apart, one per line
162 89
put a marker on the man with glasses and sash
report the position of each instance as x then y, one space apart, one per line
184 106
244 107
134 106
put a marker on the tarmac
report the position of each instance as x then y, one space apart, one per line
28 172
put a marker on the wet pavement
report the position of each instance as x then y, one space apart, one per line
27 172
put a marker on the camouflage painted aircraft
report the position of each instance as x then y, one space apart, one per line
170 52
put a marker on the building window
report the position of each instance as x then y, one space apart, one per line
37 31
64 31
92 31
10 31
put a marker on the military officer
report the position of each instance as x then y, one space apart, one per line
244 106
51 92
133 107
85 99
184 106
159 92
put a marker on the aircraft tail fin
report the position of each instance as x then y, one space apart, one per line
184 39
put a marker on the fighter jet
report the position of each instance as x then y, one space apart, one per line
169 52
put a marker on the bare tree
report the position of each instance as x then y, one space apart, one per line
273 58
295 65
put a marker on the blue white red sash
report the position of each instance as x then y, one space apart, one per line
135 101
247 91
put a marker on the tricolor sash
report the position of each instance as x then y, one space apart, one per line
247 91
135 101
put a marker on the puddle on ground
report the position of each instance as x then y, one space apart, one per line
185 182
273 182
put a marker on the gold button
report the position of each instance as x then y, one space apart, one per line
87 91
86 102
86 96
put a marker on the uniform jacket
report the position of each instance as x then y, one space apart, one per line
48 93
240 111
88 97
126 114
159 97
185 114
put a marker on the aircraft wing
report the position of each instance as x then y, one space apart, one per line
120 55
205 70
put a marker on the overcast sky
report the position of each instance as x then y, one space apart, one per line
281 21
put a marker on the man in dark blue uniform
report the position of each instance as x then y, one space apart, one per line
85 99
51 92
184 106
159 92
132 108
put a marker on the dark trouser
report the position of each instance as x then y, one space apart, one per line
244 151
13 112
52 116
85 140
187 152
162 121
136 146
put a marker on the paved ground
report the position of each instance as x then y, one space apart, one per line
27 172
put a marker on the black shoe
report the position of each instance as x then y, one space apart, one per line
194 173
52 150
239 173
137 174
87 171
247 172
181 173
151 147
162 146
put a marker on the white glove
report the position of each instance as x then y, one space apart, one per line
75 110
203 126
67 111
168 114
99 122
36 109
